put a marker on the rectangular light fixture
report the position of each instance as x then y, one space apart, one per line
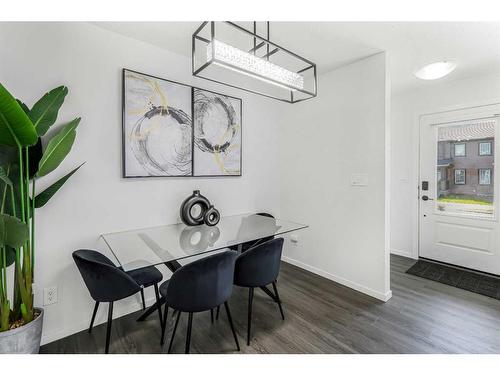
243 62
275 72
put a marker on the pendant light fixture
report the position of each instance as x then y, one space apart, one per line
227 53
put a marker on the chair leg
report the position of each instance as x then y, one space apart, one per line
157 294
212 315
143 301
278 301
164 325
226 305
93 316
173 332
249 323
217 315
188 335
108 330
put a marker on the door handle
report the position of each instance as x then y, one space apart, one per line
426 198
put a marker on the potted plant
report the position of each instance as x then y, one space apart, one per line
23 161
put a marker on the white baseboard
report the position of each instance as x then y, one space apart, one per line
360 288
48 337
406 254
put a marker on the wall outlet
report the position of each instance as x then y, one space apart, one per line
294 239
50 295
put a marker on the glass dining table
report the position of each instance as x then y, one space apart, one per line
168 244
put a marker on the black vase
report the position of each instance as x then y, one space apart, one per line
195 199
212 216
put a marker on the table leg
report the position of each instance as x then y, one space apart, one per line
172 266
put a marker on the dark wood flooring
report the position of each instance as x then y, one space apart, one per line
322 316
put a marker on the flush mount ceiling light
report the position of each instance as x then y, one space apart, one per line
436 70
227 53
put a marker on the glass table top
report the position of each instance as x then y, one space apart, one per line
140 248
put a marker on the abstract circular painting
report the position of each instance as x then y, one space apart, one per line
171 129
157 127
217 134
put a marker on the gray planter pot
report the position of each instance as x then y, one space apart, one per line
23 340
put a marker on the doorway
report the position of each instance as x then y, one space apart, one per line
458 194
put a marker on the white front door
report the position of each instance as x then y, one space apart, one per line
458 216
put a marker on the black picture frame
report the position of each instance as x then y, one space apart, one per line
241 132
124 166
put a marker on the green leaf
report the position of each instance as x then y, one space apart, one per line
24 312
45 195
35 153
23 106
44 112
4 315
13 232
10 255
4 177
15 125
8 155
57 148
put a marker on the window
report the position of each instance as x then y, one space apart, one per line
459 176
485 177
484 148
460 149
465 175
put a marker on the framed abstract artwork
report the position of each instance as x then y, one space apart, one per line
157 127
217 134
174 130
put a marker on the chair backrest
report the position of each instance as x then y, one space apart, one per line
265 214
203 284
260 265
247 245
105 281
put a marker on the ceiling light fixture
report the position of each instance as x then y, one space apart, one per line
246 63
436 70
294 76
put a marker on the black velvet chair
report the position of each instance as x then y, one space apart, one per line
199 286
247 245
146 277
109 283
258 267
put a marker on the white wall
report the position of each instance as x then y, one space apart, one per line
343 131
297 162
406 108
38 57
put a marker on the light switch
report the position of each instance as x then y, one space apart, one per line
359 179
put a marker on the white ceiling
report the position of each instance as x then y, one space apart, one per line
410 45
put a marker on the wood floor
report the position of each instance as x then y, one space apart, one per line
322 317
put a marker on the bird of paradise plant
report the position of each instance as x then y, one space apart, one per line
23 161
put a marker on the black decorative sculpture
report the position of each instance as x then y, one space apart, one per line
208 214
211 216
